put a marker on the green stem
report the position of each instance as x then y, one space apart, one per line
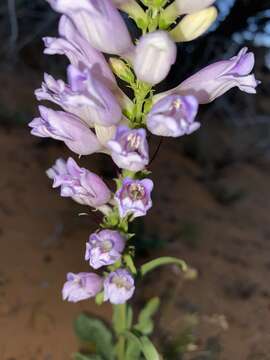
120 312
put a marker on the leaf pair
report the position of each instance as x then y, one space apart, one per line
138 345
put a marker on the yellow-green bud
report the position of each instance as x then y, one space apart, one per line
135 11
194 25
122 70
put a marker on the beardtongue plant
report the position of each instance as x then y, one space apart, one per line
95 115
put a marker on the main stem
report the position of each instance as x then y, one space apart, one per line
120 312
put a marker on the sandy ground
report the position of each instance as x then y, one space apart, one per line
221 228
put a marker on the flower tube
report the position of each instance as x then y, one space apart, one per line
118 287
218 78
174 116
99 22
129 148
104 248
65 127
81 286
85 96
134 197
80 184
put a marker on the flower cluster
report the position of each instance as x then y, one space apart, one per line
95 115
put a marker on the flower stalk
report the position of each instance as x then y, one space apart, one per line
98 117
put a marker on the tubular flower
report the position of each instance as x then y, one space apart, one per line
80 184
79 52
173 116
129 148
218 78
85 96
134 197
104 248
99 22
81 286
154 55
118 287
68 128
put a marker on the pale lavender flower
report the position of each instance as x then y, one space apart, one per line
85 96
68 128
104 248
134 197
80 184
118 286
154 55
173 116
79 52
99 22
216 79
129 148
81 286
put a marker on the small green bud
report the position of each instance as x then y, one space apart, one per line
122 70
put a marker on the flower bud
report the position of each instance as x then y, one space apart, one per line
192 6
134 197
122 70
81 185
65 127
118 287
99 22
194 25
134 11
154 55
129 148
174 116
81 286
104 248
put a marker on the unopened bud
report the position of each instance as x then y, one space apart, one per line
122 70
189 7
155 53
194 25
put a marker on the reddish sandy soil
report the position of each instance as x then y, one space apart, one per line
226 308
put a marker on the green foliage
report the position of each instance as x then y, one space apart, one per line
148 349
133 351
95 331
130 264
129 319
145 323
138 345
151 265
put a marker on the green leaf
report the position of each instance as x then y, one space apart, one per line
79 356
133 350
151 265
145 323
141 344
148 349
95 331
130 264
